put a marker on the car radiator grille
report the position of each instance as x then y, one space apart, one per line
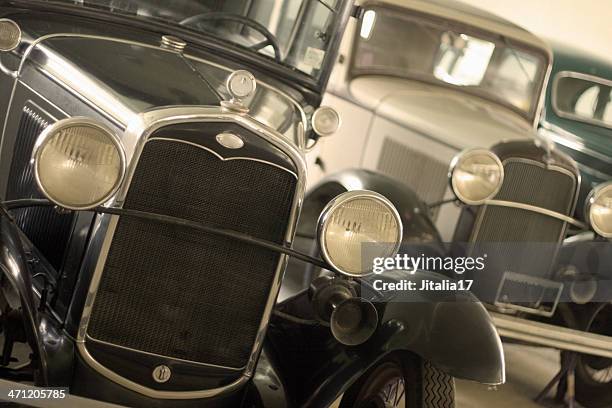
182 293
529 183
48 230
425 175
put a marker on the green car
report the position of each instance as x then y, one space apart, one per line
578 119
578 114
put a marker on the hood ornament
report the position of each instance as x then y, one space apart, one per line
240 85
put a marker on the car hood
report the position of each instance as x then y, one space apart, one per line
123 78
454 118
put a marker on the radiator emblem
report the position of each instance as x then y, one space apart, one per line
162 373
229 140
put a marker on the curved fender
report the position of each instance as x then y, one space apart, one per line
14 266
452 330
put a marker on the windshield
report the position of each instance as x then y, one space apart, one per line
398 44
296 33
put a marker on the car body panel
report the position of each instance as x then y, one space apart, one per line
589 144
400 126
59 71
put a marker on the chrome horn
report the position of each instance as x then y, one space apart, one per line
352 320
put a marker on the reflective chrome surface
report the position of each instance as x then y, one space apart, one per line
540 210
10 35
99 96
51 131
342 199
138 132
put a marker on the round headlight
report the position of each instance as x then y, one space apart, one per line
476 176
10 35
78 163
599 209
356 227
325 121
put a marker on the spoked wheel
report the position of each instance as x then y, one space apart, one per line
594 374
401 382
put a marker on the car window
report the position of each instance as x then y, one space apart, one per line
583 98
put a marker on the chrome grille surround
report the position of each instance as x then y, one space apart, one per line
138 131
566 210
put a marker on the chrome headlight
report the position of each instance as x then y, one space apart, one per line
476 176
599 209
78 163
325 121
353 219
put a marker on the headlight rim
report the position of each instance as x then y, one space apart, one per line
467 153
590 199
83 121
346 197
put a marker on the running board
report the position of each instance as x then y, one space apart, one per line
552 336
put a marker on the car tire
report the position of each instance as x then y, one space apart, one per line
404 381
594 374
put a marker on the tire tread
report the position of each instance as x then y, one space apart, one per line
438 387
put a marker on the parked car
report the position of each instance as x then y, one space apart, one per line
152 171
578 114
436 83
424 80
578 119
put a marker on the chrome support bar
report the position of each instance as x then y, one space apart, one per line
549 335
540 210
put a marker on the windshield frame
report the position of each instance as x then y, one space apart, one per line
539 90
225 49
595 80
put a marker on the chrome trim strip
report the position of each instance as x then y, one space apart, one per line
150 392
552 336
585 77
167 139
90 338
542 99
57 127
138 132
344 198
540 210
63 112
570 140
528 207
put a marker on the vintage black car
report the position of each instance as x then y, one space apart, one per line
152 174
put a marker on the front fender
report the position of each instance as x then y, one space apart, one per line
452 330
13 265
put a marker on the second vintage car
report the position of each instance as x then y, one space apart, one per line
424 80
153 173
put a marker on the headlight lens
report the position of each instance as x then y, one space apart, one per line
600 209
78 163
476 176
353 219
325 121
